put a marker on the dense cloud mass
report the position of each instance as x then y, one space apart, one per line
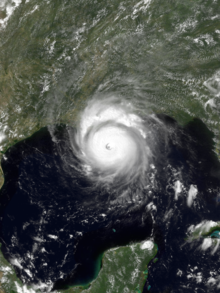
112 140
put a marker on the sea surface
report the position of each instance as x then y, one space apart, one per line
56 222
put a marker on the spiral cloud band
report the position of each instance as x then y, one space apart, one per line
112 142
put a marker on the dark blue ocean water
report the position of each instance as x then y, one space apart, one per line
55 222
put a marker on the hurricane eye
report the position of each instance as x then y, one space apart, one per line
108 147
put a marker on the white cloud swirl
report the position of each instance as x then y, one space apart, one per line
112 142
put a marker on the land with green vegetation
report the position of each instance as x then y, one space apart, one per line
55 55
206 235
207 230
9 282
124 269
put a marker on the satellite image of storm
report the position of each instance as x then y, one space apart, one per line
109 146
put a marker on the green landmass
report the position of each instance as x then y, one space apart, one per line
9 282
54 55
124 269
208 232
205 229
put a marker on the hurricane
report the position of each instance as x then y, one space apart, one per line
112 139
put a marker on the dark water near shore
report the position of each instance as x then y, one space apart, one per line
55 222
40 198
